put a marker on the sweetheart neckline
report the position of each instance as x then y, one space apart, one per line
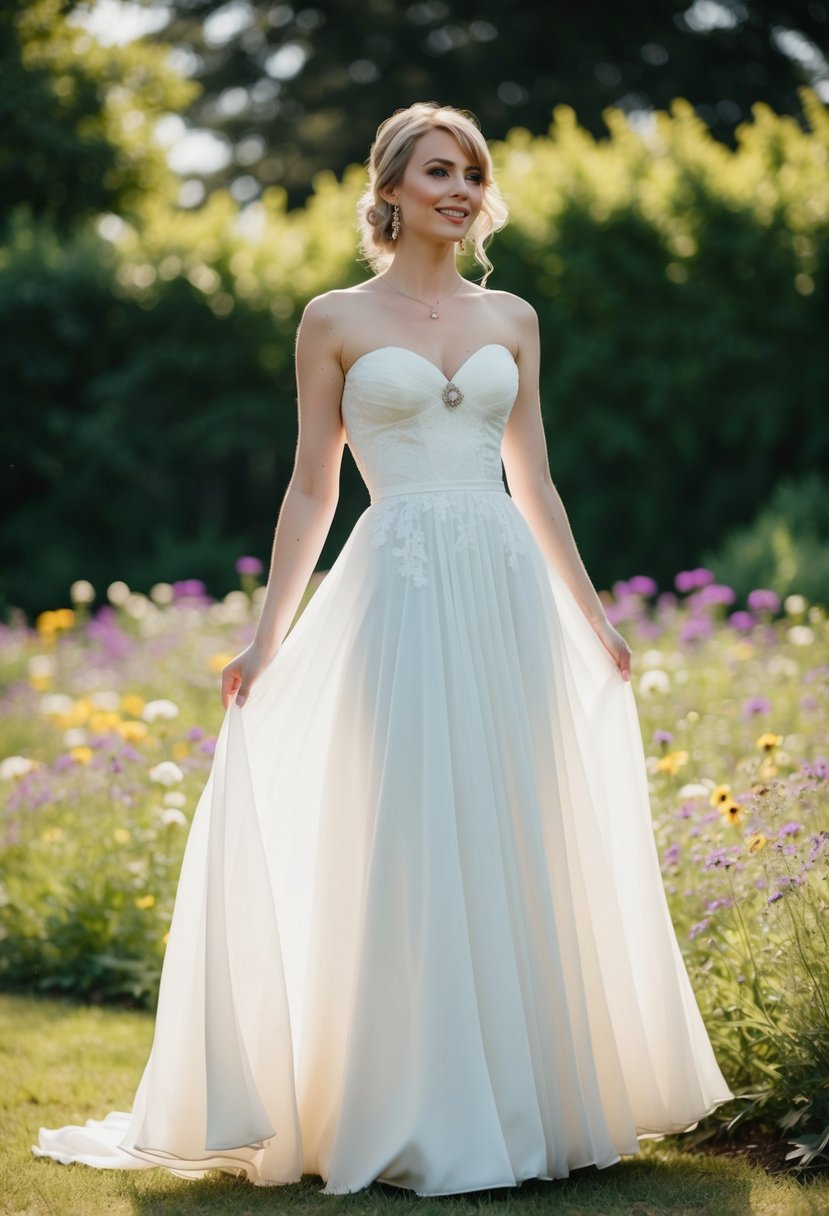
407 350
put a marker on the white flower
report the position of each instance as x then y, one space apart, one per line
655 680
652 658
161 593
117 592
76 736
800 635
174 798
41 665
55 703
15 766
166 773
173 817
159 709
794 604
82 592
695 789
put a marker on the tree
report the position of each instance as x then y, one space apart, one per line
294 88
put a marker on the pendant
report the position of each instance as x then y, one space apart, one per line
434 316
452 395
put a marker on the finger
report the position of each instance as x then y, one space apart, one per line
242 696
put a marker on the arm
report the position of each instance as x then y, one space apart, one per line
531 486
310 500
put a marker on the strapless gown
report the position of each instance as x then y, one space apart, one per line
420 934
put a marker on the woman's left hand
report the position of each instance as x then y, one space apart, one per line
614 644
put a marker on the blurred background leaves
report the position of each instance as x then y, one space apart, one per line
675 246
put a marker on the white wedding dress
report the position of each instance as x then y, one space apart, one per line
420 934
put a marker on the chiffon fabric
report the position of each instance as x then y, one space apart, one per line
420 934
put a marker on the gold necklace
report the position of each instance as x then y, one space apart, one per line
433 313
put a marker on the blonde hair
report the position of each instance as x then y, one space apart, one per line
387 162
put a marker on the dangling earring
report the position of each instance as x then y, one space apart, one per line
395 222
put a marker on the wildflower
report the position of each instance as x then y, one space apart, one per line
121 836
732 811
180 750
690 580
133 731
118 592
794 605
791 828
132 704
769 742
720 794
800 635
15 766
81 754
189 588
654 680
161 593
104 722
217 662
772 899
248 565
672 762
166 773
145 901
756 705
174 798
662 736
756 841
166 710
51 835
81 592
742 622
743 650
763 600
641 584
694 789
671 855
173 817
699 927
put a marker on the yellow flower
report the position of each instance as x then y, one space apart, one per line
81 755
145 901
743 650
672 762
756 841
50 623
732 811
121 836
51 835
767 769
180 750
132 704
720 794
769 742
104 721
132 731
41 681
217 661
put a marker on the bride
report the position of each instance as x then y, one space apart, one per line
420 935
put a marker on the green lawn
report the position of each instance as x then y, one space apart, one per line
63 1064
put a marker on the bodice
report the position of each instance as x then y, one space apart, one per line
409 428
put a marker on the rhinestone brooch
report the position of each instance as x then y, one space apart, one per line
452 395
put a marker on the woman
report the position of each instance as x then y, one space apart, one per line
420 935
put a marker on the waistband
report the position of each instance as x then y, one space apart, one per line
435 487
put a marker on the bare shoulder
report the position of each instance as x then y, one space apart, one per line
514 308
327 308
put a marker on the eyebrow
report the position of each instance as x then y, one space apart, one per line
440 160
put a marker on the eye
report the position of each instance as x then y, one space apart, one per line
476 177
437 169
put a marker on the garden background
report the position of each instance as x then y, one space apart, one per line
169 203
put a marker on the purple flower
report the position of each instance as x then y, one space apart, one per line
790 829
809 702
248 565
699 927
208 746
763 600
671 855
696 629
713 594
194 734
641 584
772 899
756 705
662 736
819 768
666 600
189 588
714 904
62 762
690 580
742 622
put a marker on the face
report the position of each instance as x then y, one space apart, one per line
441 193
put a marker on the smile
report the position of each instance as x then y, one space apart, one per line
452 213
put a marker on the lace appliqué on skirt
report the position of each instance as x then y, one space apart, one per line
401 517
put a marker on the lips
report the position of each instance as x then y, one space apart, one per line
452 213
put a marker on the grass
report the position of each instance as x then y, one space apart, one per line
64 1063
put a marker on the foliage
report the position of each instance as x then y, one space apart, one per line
148 371
77 118
294 89
102 771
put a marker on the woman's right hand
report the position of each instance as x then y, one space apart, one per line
239 674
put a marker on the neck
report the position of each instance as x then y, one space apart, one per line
425 271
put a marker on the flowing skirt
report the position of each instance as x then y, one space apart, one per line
420 934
